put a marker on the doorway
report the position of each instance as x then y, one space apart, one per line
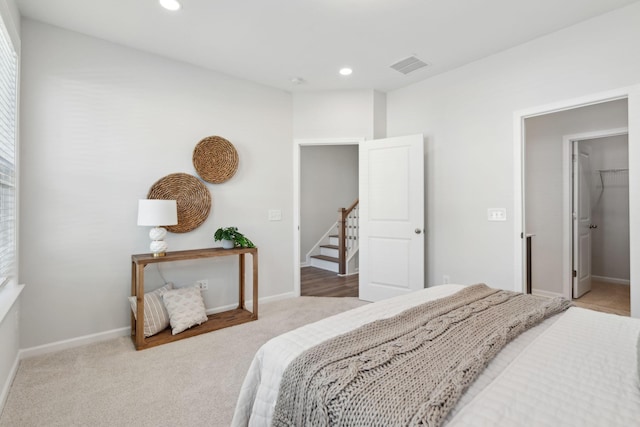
321 167
601 261
390 216
547 199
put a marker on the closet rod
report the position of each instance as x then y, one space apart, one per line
612 170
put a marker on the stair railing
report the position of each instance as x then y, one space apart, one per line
347 234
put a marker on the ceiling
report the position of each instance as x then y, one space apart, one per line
272 41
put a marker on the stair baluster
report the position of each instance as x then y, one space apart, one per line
346 229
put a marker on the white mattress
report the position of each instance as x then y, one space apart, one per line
517 380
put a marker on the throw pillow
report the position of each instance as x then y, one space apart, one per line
156 317
185 307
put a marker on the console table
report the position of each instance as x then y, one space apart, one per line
215 321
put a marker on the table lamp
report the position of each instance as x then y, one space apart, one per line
157 213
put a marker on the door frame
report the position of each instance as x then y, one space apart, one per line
567 198
298 143
632 94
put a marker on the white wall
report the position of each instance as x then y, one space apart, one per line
379 115
610 241
467 118
544 178
339 114
328 181
100 124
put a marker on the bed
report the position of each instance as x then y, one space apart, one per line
576 368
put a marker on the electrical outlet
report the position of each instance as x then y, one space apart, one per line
203 284
446 279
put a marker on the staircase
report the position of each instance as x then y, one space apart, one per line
337 250
329 256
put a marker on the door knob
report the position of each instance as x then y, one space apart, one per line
418 231
593 226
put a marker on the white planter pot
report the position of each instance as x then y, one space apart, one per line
228 244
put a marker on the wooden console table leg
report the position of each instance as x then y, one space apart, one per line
133 294
241 281
140 305
254 256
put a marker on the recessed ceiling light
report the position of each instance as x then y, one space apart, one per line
170 4
346 71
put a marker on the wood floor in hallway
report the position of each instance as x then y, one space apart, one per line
607 297
322 283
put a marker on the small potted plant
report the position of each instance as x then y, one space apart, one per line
232 238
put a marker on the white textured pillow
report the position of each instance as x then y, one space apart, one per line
156 317
185 307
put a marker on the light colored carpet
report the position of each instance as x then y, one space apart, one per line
192 382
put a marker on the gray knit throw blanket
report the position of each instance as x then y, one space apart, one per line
410 369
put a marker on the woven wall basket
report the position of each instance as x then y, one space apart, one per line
215 159
192 196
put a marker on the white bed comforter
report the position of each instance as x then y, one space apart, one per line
579 368
582 371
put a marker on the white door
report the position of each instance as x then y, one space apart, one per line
392 241
581 219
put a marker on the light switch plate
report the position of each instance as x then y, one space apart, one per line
275 215
497 214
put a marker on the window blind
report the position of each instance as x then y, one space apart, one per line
8 114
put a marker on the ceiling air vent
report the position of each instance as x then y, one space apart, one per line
408 65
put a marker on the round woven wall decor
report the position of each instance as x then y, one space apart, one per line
191 195
215 159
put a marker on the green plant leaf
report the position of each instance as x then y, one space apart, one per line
232 233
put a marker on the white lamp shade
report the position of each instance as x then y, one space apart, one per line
157 212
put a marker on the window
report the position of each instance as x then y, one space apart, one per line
8 114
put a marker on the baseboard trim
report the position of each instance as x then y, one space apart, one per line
123 332
7 385
612 280
353 273
272 298
249 303
545 294
74 342
305 264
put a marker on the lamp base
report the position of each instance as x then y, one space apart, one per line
158 247
157 233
